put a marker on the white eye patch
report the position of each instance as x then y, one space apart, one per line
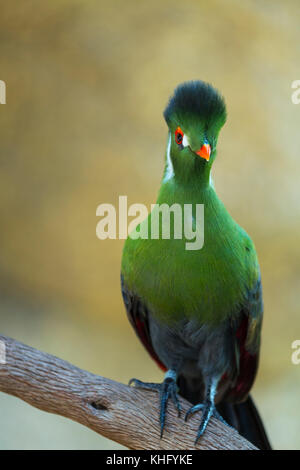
185 141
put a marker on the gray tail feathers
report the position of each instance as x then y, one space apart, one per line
243 417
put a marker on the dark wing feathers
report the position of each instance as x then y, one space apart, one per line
247 343
138 317
243 416
246 333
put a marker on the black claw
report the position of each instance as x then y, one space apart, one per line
198 437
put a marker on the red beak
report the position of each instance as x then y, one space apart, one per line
204 152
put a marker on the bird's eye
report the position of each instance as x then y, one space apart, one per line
178 136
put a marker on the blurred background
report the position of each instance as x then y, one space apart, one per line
87 82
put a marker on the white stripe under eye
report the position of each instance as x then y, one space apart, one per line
169 165
185 141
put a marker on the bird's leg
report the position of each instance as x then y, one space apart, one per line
208 408
167 389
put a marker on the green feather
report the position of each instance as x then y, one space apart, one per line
210 284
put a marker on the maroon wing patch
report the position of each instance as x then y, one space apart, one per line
247 364
138 316
247 342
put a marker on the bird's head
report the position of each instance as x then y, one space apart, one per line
195 114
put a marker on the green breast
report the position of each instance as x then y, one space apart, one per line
209 284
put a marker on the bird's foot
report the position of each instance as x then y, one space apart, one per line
167 389
208 410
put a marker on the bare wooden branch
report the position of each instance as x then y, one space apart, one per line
116 411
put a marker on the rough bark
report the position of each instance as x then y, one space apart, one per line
116 411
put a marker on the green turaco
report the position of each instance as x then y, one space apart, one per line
198 312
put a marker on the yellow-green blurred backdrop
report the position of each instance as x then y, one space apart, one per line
87 82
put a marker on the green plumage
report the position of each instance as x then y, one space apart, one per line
212 283
197 308
209 284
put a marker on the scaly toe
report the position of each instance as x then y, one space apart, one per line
146 385
176 400
168 390
208 410
193 410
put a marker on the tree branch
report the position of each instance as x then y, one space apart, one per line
116 411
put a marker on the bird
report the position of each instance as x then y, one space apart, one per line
198 312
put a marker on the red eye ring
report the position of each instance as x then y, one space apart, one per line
178 136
